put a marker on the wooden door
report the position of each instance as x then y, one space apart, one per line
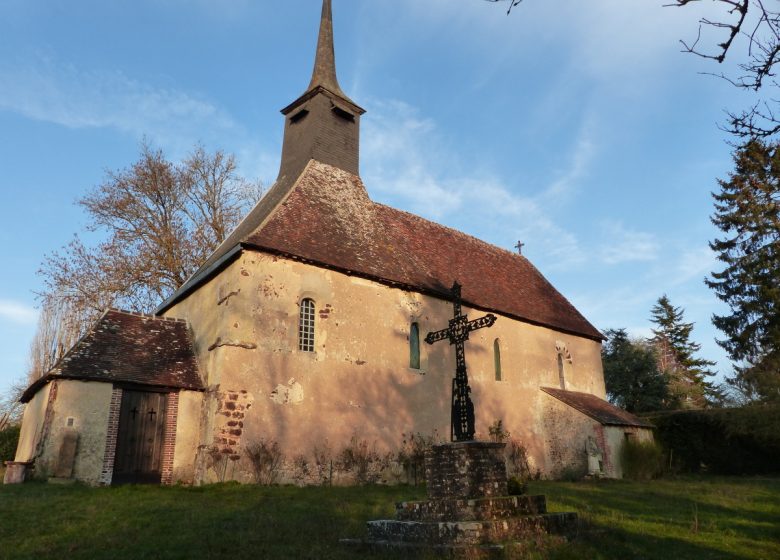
139 445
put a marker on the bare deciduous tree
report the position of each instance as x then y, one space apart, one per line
751 27
755 26
512 4
10 407
158 221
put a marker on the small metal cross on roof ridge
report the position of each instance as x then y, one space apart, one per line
462 416
519 247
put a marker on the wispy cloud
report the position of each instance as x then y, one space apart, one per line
407 164
17 312
51 90
626 245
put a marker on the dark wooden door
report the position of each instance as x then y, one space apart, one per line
138 458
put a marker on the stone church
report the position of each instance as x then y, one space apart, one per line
305 328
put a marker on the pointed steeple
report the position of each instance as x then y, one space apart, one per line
324 73
322 124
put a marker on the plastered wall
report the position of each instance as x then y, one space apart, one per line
187 435
358 381
32 425
87 404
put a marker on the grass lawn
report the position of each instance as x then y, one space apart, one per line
687 518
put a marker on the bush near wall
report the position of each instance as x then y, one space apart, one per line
9 438
721 441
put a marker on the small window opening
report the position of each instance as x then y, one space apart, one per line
299 116
306 326
346 115
70 421
497 359
561 376
414 346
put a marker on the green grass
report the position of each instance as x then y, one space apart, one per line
690 518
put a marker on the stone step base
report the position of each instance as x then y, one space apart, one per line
470 552
435 533
480 509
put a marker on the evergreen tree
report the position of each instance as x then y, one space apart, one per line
747 211
676 355
631 373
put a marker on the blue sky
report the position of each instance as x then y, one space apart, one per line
576 127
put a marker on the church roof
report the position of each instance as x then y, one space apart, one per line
598 409
318 211
130 348
326 218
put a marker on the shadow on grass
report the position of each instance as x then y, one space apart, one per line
225 521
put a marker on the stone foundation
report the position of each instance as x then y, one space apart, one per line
15 472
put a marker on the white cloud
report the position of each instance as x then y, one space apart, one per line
694 264
54 91
627 245
17 312
406 165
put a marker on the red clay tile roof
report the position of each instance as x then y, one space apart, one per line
329 219
598 409
130 348
326 217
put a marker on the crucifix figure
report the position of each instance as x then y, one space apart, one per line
462 419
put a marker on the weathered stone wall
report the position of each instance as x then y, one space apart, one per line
88 405
565 432
358 381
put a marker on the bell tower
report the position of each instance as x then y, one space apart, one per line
323 123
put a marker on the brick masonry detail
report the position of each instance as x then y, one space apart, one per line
106 474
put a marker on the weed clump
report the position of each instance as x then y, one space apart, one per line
642 460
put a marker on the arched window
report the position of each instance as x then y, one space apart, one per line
306 326
414 346
564 357
497 359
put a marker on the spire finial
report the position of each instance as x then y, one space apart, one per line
325 62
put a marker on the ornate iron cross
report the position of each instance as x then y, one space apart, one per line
462 416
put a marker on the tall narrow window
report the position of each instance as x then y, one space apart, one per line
306 326
497 359
414 346
561 376
564 357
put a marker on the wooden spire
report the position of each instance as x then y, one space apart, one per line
324 73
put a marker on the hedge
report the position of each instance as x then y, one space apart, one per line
730 441
9 438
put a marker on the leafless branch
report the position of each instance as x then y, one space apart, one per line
512 4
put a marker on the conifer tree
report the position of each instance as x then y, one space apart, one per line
631 374
747 211
676 355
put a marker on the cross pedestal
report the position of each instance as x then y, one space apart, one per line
468 509
466 470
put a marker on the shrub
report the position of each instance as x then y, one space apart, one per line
266 459
641 460
412 454
9 439
323 463
497 432
301 471
729 441
359 456
516 458
516 487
